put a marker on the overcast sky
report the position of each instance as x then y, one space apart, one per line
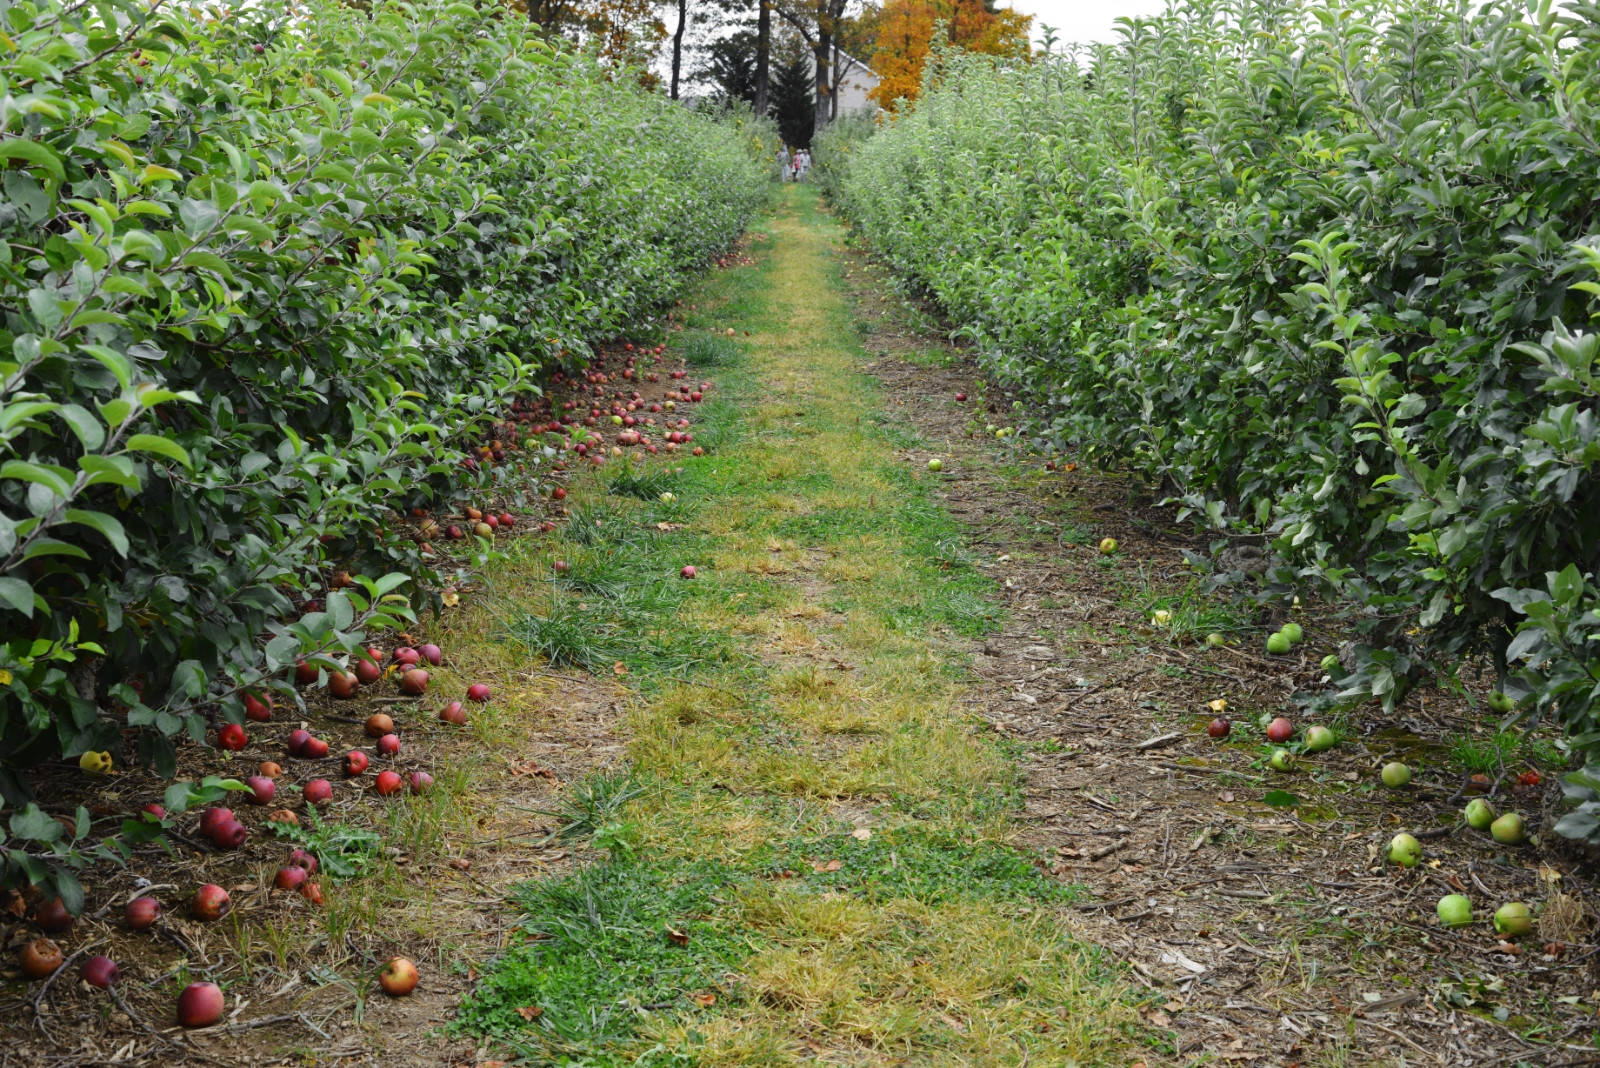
1084 20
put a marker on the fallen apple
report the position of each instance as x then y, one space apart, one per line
1404 850
1513 920
1278 644
305 673
290 877
39 958
231 736
261 789
318 792
297 742
1108 546
1215 640
1219 728
283 815
378 725
312 892
1294 633
1319 738
1500 703
432 653
201 1005
52 916
1509 829
343 684
212 818
1282 760
355 762
389 745
388 783
1330 662
302 859
1455 910
405 656
210 902
258 707
101 972
479 692
1280 730
935 464
414 682
1395 775
142 912
229 835
398 978
689 571
368 672
315 749
154 812
1479 814
421 782
268 769
453 713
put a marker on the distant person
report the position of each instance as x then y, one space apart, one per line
802 164
783 162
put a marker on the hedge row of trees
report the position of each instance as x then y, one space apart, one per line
267 280
1328 272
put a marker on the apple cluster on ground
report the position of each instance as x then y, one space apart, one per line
603 419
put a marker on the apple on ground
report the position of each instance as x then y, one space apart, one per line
1219 728
689 571
99 971
1294 632
315 749
1278 644
142 912
290 877
1480 814
1513 920
267 769
1280 730
421 782
355 762
389 745
414 682
378 725
232 737
479 692
1108 546
1455 910
154 811
1509 829
302 859
388 783
210 902
261 789
453 713
398 978
318 792
39 958
212 818
1405 850
1318 739
1395 775
201 1005
1282 760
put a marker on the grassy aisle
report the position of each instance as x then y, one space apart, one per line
806 855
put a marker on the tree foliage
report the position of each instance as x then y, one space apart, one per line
904 33
1328 271
267 281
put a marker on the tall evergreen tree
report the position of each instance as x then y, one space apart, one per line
791 106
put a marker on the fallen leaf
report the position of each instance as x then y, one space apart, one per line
705 1001
829 865
619 668
1225 797
244 888
680 937
528 1012
955 1024
900 992
861 834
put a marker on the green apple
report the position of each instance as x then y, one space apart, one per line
1330 662
1215 640
1278 644
1480 814
1513 920
1499 702
1294 633
1455 910
1282 760
1318 739
1404 850
1108 546
935 464
1508 829
1395 775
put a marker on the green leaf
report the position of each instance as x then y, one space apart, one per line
35 153
158 445
83 423
105 524
18 594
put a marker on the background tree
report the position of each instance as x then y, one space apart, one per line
792 106
905 31
818 22
732 68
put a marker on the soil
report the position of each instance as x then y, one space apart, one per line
1268 936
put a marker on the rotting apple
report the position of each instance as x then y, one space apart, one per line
210 902
689 571
1108 546
302 859
378 724
1219 728
52 916
39 958
268 769
283 815
1282 760
318 792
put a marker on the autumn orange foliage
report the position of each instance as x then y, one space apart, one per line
905 35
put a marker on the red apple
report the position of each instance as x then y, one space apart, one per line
378 725
507 520
297 742
479 692
343 685
301 859
39 958
232 736
355 762
368 672
689 571
291 877
261 789
53 917
406 656
201 1005
961 396
99 971
1280 730
312 892
421 782
305 673
318 792
229 835
453 713
559 494
398 978
389 783
155 812
142 912
432 654
315 749
414 682
212 818
258 708
389 745
210 902
1219 728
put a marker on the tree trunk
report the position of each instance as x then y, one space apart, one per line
763 51
677 44
822 49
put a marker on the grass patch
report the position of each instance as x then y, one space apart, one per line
711 350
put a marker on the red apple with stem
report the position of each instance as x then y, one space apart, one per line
355 762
